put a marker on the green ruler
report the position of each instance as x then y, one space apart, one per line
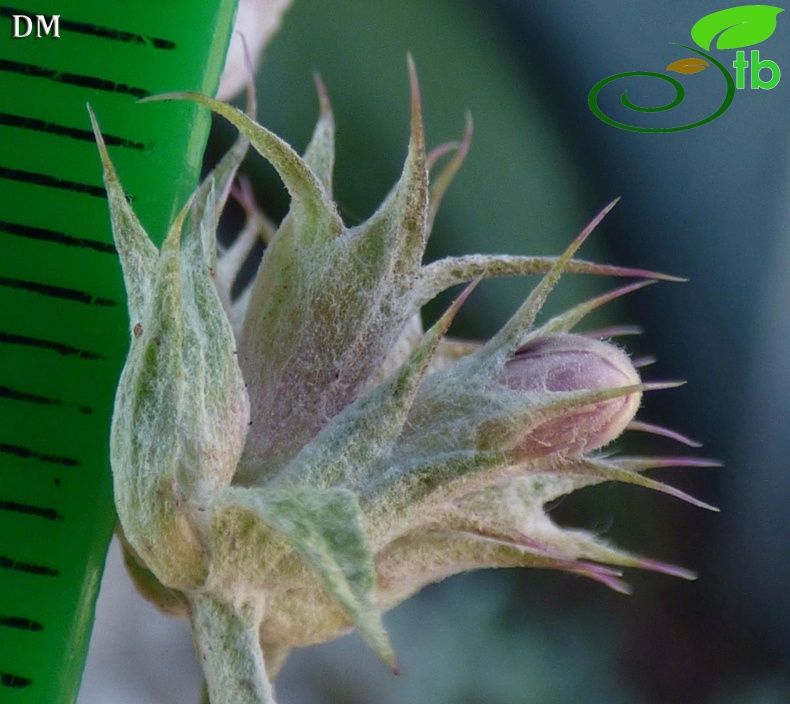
63 325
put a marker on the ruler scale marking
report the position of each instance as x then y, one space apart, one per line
56 383
67 294
48 181
25 397
36 125
46 235
28 454
59 347
76 79
8 563
49 514
14 681
20 623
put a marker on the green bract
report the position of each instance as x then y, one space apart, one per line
292 463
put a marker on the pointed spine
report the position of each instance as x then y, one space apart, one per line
442 274
137 253
439 186
305 188
507 340
569 319
320 153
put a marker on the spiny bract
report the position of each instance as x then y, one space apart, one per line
344 459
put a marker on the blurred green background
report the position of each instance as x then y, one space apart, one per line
710 204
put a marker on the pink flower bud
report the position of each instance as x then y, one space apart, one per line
564 362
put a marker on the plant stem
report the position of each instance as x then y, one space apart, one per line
226 638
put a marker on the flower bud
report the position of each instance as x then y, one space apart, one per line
181 409
566 363
349 478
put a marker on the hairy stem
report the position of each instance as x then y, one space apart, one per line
226 638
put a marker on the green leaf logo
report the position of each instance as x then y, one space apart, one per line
737 27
